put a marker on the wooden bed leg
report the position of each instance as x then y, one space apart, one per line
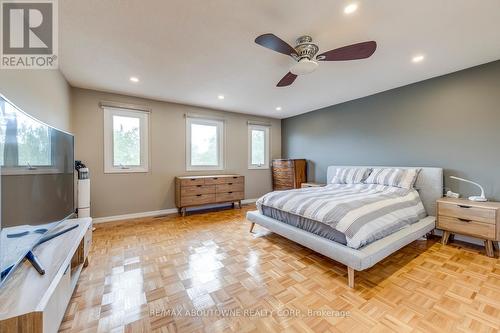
446 237
251 227
350 276
490 250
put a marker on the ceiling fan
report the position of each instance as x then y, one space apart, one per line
305 51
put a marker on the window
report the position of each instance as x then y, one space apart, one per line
204 144
258 147
29 142
126 140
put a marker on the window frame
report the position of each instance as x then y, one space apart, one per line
220 143
267 145
23 169
144 134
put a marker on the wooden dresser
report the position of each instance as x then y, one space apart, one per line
193 191
465 217
289 173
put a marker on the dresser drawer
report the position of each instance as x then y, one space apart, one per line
236 179
192 181
283 182
282 174
198 189
286 170
229 196
223 180
229 187
282 163
282 186
467 227
467 212
199 199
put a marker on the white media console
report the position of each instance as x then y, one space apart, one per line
36 303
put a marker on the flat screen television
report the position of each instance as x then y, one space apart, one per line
37 180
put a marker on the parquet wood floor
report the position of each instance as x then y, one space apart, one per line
207 273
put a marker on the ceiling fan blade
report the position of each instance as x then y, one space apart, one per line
350 52
276 44
287 80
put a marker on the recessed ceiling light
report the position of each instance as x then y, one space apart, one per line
349 9
418 58
278 108
134 79
220 96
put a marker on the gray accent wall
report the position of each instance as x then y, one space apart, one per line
452 122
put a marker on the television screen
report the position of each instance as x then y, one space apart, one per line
36 178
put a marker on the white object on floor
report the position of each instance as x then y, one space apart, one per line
83 193
481 197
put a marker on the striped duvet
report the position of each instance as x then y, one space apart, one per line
362 212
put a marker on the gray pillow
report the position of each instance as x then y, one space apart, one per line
350 175
404 178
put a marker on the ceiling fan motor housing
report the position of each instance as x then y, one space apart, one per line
305 51
305 48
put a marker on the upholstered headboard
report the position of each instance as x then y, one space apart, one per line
429 183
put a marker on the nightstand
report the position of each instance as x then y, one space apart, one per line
306 185
471 218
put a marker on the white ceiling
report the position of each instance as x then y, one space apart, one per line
191 51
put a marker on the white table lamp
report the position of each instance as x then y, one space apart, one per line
481 197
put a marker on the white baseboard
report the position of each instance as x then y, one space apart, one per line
153 213
134 215
248 201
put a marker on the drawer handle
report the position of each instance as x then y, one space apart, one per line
193 179
235 177
215 178
198 195
464 206
229 192
465 220
229 183
199 185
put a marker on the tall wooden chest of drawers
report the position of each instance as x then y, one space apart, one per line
193 191
289 173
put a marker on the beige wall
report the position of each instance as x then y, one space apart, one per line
117 194
44 94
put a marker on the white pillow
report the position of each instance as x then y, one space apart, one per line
404 178
350 175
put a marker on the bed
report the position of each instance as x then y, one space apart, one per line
318 237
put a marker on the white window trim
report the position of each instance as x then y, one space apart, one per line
109 112
221 143
45 170
267 140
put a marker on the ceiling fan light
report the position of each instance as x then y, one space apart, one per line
304 66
